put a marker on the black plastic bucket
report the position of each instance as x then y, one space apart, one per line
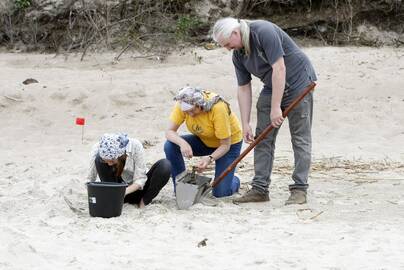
105 199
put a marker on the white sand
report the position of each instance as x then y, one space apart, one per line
354 218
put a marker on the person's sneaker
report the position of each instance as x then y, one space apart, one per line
297 196
252 196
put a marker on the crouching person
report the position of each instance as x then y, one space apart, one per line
118 158
216 136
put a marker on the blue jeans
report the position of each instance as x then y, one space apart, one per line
228 185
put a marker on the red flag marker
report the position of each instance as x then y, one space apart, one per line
81 122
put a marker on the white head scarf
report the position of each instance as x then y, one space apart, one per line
190 96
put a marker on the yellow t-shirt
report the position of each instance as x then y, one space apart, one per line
212 126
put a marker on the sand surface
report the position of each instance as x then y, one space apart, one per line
353 220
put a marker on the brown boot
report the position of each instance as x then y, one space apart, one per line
297 196
252 196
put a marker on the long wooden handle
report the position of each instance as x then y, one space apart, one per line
261 136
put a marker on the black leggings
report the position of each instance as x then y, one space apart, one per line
157 178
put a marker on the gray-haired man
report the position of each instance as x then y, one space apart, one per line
263 49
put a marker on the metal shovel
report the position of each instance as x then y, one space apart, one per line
191 188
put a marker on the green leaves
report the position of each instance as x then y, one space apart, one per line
186 25
22 4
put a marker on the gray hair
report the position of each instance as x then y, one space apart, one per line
224 27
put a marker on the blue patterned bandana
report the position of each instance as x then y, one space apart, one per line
113 145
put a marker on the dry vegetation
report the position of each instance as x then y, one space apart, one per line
159 24
107 24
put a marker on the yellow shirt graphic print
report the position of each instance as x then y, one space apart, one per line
197 129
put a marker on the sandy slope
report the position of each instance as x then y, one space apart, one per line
353 220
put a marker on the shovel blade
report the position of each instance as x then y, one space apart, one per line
185 195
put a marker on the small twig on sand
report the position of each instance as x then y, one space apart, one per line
124 50
13 99
310 210
379 179
392 202
316 215
147 56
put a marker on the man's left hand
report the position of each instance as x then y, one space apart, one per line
276 117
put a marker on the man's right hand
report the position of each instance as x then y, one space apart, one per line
248 135
186 150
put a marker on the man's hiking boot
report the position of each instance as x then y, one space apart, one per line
252 196
297 196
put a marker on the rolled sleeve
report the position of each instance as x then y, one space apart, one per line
140 168
92 172
177 116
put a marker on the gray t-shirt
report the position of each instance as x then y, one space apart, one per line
268 43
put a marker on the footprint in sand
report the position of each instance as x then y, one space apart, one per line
121 100
3 104
78 100
45 123
29 109
139 93
127 98
59 96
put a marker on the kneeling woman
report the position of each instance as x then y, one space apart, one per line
117 158
216 135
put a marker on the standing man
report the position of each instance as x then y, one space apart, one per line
263 49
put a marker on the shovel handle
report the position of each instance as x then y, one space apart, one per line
261 136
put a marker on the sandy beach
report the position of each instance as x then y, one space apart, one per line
354 216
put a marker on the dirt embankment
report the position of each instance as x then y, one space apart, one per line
66 25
